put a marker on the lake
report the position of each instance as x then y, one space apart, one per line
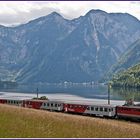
76 91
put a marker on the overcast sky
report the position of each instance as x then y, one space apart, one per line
18 12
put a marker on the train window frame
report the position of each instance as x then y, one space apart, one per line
92 108
101 109
75 106
136 109
71 106
83 107
105 109
96 108
88 108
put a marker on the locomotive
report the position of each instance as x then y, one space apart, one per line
130 111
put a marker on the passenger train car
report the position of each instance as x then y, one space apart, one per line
112 111
91 109
128 112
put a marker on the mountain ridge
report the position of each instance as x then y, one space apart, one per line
54 49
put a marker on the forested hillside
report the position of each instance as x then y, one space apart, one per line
128 78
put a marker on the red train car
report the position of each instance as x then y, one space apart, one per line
129 112
3 101
36 104
75 108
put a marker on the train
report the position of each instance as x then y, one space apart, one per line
126 111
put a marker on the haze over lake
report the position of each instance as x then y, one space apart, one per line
61 91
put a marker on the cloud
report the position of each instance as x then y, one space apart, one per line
18 12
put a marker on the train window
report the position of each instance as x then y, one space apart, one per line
101 109
51 104
11 102
92 108
14 102
88 108
44 104
59 105
96 108
55 105
48 104
135 109
105 109
109 109
83 106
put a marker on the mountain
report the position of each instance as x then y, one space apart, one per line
54 49
130 58
128 78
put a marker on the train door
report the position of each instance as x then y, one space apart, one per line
66 107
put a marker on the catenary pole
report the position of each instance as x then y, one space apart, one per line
37 92
109 85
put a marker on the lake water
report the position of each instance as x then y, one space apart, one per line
71 92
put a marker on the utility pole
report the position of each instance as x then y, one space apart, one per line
37 92
109 86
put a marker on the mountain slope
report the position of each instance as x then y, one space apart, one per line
54 49
130 58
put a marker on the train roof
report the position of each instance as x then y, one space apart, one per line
44 100
131 106
13 98
83 103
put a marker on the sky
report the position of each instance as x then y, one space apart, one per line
19 12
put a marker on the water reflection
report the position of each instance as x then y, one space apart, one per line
126 93
86 91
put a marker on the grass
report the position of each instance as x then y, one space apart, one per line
17 122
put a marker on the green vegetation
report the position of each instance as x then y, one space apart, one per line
128 78
130 58
17 122
41 98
